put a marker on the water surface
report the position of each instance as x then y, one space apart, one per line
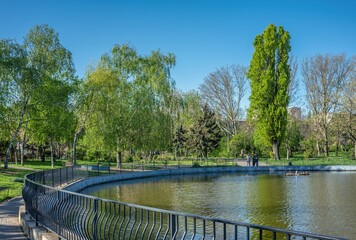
322 203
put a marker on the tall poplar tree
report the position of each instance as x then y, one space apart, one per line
269 76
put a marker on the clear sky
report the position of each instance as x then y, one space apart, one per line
204 35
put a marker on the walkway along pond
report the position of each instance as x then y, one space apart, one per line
72 215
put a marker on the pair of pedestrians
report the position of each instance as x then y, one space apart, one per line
254 160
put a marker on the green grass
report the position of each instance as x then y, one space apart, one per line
9 179
9 182
299 160
38 165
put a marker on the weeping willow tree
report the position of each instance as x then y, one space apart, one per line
129 103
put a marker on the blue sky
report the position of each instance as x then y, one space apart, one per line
204 35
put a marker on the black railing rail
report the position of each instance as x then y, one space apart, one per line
73 215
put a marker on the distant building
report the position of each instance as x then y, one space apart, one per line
295 112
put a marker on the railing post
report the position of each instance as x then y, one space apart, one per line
43 178
67 175
36 204
95 219
174 224
52 172
60 176
59 222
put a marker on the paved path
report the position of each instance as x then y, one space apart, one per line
243 163
9 222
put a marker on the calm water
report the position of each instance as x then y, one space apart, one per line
323 203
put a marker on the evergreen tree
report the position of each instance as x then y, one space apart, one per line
206 133
180 139
269 75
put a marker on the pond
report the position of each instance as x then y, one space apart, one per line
323 202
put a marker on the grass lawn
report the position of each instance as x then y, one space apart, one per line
11 179
11 182
38 165
299 160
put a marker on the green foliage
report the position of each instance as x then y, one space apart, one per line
129 102
205 135
36 77
180 139
242 140
308 146
269 75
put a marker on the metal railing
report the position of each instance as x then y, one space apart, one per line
77 216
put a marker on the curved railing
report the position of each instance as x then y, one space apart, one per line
73 215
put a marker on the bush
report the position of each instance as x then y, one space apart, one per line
129 159
308 153
196 164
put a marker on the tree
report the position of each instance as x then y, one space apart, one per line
293 136
129 107
205 135
243 140
18 84
179 140
269 75
348 105
324 77
53 64
29 72
83 107
223 90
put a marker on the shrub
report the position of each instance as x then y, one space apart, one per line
196 164
308 153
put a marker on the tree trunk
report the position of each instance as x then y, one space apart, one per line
337 146
118 159
16 155
74 158
52 153
22 150
355 149
14 136
58 151
326 142
42 153
32 152
318 148
326 148
289 151
22 145
276 150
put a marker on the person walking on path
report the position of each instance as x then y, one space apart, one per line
248 159
255 160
